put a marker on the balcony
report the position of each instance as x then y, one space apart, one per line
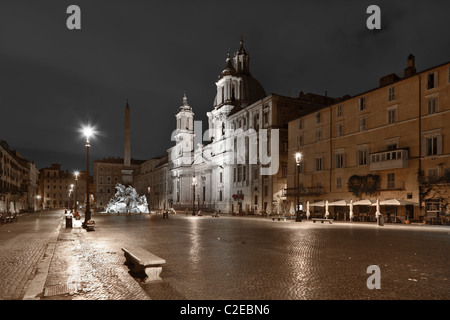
386 160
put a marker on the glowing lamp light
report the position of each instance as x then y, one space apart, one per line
88 132
298 158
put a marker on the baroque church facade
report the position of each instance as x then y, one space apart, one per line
239 164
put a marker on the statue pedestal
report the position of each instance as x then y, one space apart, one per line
127 177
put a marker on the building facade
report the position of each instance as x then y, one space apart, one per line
63 189
392 142
153 182
18 181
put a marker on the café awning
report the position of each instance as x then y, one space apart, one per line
396 202
341 203
317 204
362 203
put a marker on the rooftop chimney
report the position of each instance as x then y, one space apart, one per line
411 66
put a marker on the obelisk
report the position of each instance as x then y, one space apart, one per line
127 172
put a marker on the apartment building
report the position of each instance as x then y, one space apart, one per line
391 142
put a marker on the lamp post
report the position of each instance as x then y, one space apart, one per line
87 131
38 197
75 206
298 159
194 183
70 193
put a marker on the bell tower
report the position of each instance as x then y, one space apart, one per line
184 134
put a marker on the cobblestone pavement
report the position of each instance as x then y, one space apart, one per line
240 258
22 246
89 268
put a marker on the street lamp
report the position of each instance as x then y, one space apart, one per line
38 197
70 193
75 206
298 159
87 132
194 184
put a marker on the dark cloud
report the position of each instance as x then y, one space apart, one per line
52 80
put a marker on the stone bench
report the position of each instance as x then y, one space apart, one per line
143 262
279 218
322 220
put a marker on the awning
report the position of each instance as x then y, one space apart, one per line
341 203
362 203
395 202
317 204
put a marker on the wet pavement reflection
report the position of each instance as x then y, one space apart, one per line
255 258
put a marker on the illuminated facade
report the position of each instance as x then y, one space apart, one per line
224 168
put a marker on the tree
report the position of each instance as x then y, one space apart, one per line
363 185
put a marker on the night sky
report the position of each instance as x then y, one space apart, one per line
53 80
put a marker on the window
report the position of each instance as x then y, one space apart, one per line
391 93
392 146
318 163
431 80
339 111
432 105
362 157
392 115
362 124
432 206
318 117
432 146
266 117
391 180
339 130
318 135
220 195
339 160
432 174
255 173
300 124
284 169
220 177
338 183
362 103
